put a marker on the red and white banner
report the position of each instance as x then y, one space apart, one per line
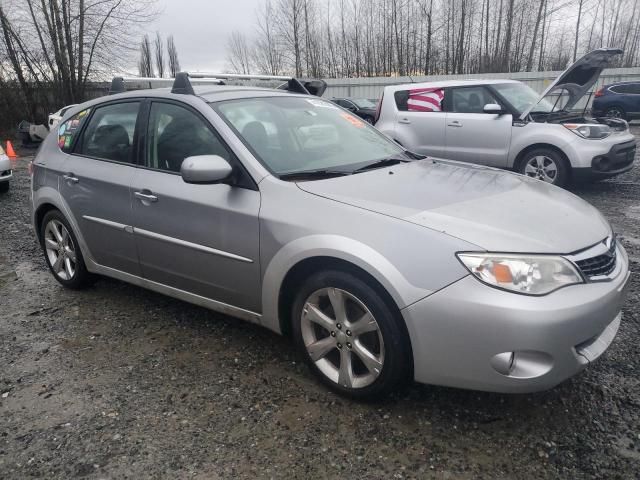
425 100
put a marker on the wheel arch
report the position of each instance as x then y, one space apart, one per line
520 156
308 255
38 216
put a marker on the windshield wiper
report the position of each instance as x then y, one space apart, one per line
312 174
385 162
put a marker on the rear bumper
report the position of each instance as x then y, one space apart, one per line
619 159
463 335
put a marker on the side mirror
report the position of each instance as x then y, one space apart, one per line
493 108
205 169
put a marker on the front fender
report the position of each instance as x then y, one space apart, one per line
342 248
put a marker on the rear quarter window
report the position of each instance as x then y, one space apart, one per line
420 100
68 131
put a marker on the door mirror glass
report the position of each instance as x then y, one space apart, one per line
205 169
493 108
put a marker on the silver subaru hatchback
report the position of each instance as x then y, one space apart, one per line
287 211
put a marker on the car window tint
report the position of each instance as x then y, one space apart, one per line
109 134
68 131
176 133
470 99
629 88
420 100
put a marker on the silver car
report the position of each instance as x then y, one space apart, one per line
506 124
287 211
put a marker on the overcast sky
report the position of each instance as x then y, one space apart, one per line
201 28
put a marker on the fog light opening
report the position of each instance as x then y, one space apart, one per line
504 362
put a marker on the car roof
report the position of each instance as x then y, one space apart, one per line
448 83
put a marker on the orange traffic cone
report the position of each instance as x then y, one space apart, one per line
10 151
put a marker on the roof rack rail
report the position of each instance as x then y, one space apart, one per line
182 82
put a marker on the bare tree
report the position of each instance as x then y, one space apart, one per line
238 53
145 64
172 53
158 45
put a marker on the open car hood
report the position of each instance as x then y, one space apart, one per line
579 77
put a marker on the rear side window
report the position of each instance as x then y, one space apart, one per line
420 100
68 131
109 134
633 88
176 133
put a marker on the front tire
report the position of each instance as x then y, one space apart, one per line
4 187
544 164
62 252
353 340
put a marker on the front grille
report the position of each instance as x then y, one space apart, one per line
599 265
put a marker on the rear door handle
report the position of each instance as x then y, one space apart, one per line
454 123
406 121
146 196
69 177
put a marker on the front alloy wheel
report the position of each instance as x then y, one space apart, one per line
342 338
351 334
543 168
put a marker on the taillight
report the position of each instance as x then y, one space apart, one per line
599 93
378 109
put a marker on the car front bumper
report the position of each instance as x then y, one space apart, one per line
463 335
619 159
5 169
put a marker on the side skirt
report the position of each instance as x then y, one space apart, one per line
175 292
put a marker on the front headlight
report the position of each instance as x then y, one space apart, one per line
589 131
526 274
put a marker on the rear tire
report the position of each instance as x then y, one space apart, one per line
4 187
352 339
616 112
544 164
62 252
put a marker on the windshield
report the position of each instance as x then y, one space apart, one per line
364 103
521 97
296 134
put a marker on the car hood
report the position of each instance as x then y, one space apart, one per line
495 210
578 79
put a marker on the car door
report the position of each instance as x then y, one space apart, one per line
97 177
420 121
202 239
472 135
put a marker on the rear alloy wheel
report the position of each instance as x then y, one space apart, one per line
615 112
350 336
61 251
546 165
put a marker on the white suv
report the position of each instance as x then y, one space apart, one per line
504 123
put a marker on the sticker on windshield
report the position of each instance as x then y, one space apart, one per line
355 121
321 103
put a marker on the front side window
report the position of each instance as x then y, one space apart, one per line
296 134
109 134
420 100
68 131
470 99
176 133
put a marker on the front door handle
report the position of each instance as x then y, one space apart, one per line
69 177
146 196
454 123
405 121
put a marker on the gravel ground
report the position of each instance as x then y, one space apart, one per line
119 382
